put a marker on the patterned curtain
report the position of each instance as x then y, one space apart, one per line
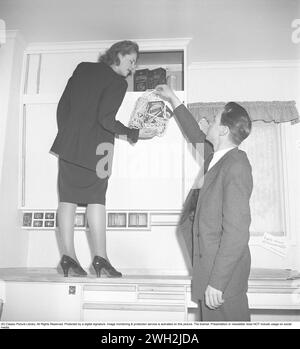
263 148
276 111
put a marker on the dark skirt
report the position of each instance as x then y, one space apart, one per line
80 185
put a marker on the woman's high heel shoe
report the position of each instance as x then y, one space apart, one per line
101 264
67 263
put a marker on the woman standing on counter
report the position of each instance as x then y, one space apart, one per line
86 122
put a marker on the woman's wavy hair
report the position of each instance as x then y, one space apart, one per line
123 47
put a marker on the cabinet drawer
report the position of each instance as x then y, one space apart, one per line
273 301
132 312
161 288
162 297
109 293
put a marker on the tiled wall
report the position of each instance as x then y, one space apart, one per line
40 219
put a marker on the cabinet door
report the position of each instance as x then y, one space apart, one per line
32 301
148 174
48 73
40 167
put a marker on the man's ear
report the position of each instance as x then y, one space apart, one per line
224 130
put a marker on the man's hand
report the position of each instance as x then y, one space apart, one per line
213 297
166 93
146 133
204 125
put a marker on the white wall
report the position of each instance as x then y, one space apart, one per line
6 61
221 29
258 81
14 242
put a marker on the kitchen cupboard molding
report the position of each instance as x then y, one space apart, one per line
88 46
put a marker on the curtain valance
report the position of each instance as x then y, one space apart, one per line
275 111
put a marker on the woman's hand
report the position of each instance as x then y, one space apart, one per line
146 133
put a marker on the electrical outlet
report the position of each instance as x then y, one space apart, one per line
72 289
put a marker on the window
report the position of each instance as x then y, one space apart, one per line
264 150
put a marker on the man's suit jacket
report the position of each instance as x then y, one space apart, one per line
86 114
220 234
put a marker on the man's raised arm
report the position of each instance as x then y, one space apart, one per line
187 123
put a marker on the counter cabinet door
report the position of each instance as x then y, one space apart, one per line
33 301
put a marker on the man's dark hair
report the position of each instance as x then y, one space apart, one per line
236 118
123 47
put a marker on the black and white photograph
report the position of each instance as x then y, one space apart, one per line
149 165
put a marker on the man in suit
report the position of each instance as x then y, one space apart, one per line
220 235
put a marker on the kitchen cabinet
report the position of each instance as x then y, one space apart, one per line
44 295
41 294
154 167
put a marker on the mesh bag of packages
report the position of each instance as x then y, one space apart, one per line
151 112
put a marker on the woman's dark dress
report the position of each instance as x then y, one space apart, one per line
86 118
